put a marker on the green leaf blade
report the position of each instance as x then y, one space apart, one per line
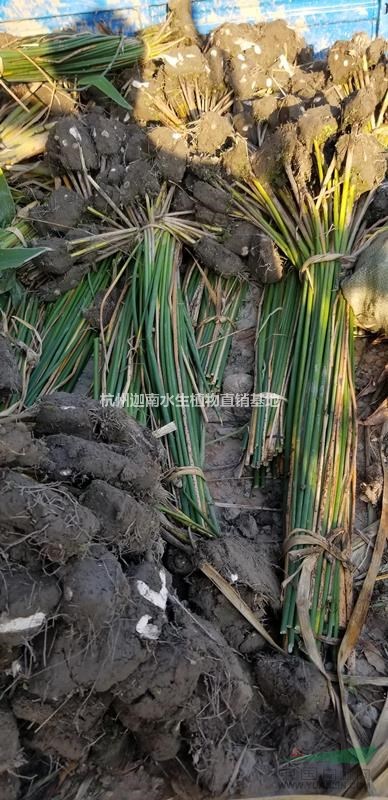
7 205
105 86
15 257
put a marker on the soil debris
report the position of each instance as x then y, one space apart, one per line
10 380
63 210
214 255
293 684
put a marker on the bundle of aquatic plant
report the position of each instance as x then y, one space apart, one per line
314 218
147 357
274 348
214 303
23 132
66 337
76 55
53 342
14 250
172 373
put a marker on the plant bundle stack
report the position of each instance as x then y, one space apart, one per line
314 215
215 303
70 56
23 132
149 351
248 103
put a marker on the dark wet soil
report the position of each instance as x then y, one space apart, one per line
103 639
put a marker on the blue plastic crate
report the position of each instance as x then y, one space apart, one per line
320 22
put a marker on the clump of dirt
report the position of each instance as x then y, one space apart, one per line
264 262
11 758
10 750
236 558
235 160
368 165
129 524
268 161
80 416
290 109
260 57
317 124
171 152
120 644
265 108
212 133
70 146
244 124
56 260
10 379
63 210
69 733
345 57
366 288
40 513
214 255
17 445
359 106
379 205
306 82
293 684
52 289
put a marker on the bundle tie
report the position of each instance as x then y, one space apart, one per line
307 537
180 472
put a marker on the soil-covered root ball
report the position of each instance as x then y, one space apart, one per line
261 57
305 83
214 198
368 164
213 132
317 125
27 600
11 755
128 525
62 210
18 448
359 107
56 260
171 152
236 558
95 590
70 146
346 57
292 685
60 730
80 461
265 110
214 255
75 414
267 162
52 289
53 520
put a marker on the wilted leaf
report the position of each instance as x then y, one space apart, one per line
375 659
